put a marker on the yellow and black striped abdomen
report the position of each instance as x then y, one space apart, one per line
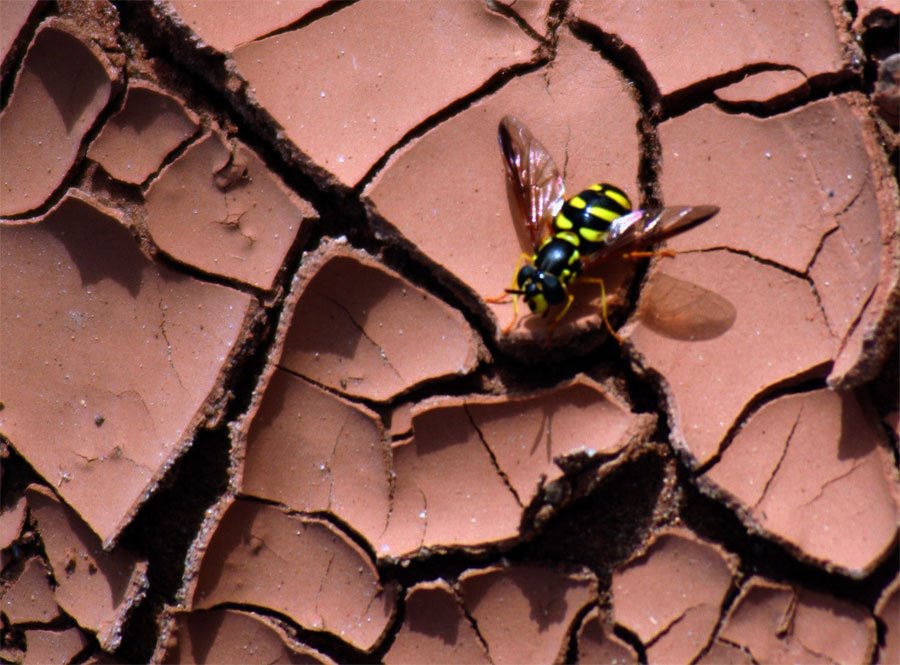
587 216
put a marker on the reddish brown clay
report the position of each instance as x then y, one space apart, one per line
135 141
232 636
218 207
98 589
371 74
671 595
815 471
30 598
361 329
436 629
780 623
253 557
508 603
109 351
42 127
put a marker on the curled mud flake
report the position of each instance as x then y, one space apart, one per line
671 596
778 324
508 603
711 40
29 599
814 470
226 24
598 644
447 486
113 358
135 141
100 601
338 592
15 17
367 75
527 436
365 331
484 247
770 89
436 629
48 115
312 451
780 623
12 519
224 212
231 636
888 612
401 420
54 646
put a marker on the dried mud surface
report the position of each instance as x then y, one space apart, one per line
255 401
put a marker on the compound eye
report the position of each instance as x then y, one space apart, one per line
526 274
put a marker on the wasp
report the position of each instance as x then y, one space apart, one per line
570 235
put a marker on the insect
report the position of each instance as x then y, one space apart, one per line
570 235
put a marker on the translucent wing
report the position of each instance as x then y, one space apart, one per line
644 227
683 310
536 183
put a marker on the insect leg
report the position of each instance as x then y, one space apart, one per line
603 310
634 256
504 297
559 317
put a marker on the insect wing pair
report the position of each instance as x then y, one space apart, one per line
538 195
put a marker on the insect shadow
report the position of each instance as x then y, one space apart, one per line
682 310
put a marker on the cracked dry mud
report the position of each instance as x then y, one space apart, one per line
255 405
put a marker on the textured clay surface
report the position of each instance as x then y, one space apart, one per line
264 396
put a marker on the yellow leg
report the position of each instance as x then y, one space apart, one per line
603 310
504 297
559 317
634 256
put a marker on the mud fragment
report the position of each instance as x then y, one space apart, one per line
135 141
43 124
15 17
218 207
53 647
96 588
448 492
781 623
435 630
598 644
253 559
671 596
510 602
371 74
814 470
232 636
12 519
93 329
527 436
711 43
30 598
808 190
361 329
314 452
